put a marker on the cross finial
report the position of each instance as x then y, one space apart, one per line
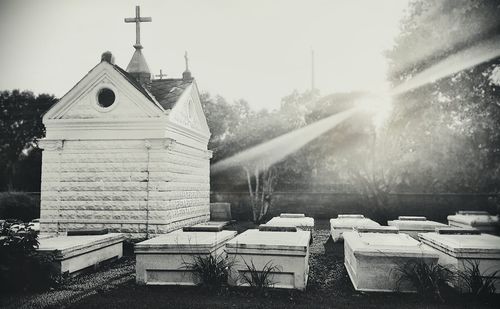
187 60
138 20
161 75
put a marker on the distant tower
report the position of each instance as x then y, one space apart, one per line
138 67
313 86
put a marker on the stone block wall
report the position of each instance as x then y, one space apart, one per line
139 187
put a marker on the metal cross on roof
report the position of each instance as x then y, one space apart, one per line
138 20
161 75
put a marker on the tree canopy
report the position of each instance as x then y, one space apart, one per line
21 126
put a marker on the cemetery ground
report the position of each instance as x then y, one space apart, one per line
113 286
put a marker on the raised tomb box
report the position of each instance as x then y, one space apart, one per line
75 253
167 259
412 225
345 223
373 257
480 220
460 248
287 252
288 219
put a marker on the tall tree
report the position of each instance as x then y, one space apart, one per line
449 130
21 125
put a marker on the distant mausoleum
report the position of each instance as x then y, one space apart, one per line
126 152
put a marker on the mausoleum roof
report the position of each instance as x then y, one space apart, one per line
134 82
167 91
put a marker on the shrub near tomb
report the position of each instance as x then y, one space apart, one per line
476 283
210 270
21 266
429 279
259 279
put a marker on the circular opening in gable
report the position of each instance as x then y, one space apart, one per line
106 97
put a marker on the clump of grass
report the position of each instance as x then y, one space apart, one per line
210 270
259 279
478 284
427 278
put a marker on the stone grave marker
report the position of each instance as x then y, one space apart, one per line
164 260
345 223
412 225
287 251
480 220
458 247
220 212
297 220
75 253
373 255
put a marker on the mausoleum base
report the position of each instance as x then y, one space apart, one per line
75 253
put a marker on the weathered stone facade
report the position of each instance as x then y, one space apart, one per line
144 177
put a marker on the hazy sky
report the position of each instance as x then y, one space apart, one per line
258 50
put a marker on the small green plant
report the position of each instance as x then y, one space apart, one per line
210 270
427 278
22 267
477 283
259 279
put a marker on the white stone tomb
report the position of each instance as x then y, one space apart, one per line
288 251
412 225
165 260
75 253
480 220
458 247
345 223
373 255
297 220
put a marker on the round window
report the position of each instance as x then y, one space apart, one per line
106 97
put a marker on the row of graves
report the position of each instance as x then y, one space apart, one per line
372 252
374 255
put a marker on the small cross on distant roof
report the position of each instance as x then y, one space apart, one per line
138 20
161 75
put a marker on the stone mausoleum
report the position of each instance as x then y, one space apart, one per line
126 152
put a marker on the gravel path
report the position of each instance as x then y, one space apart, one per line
77 288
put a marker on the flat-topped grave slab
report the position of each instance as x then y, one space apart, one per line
457 249
288 252
75 253
274 228
372 259
165 260
412 225
297 220
210 226
476 219
345 223
292 215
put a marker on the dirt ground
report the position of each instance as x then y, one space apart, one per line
113 286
